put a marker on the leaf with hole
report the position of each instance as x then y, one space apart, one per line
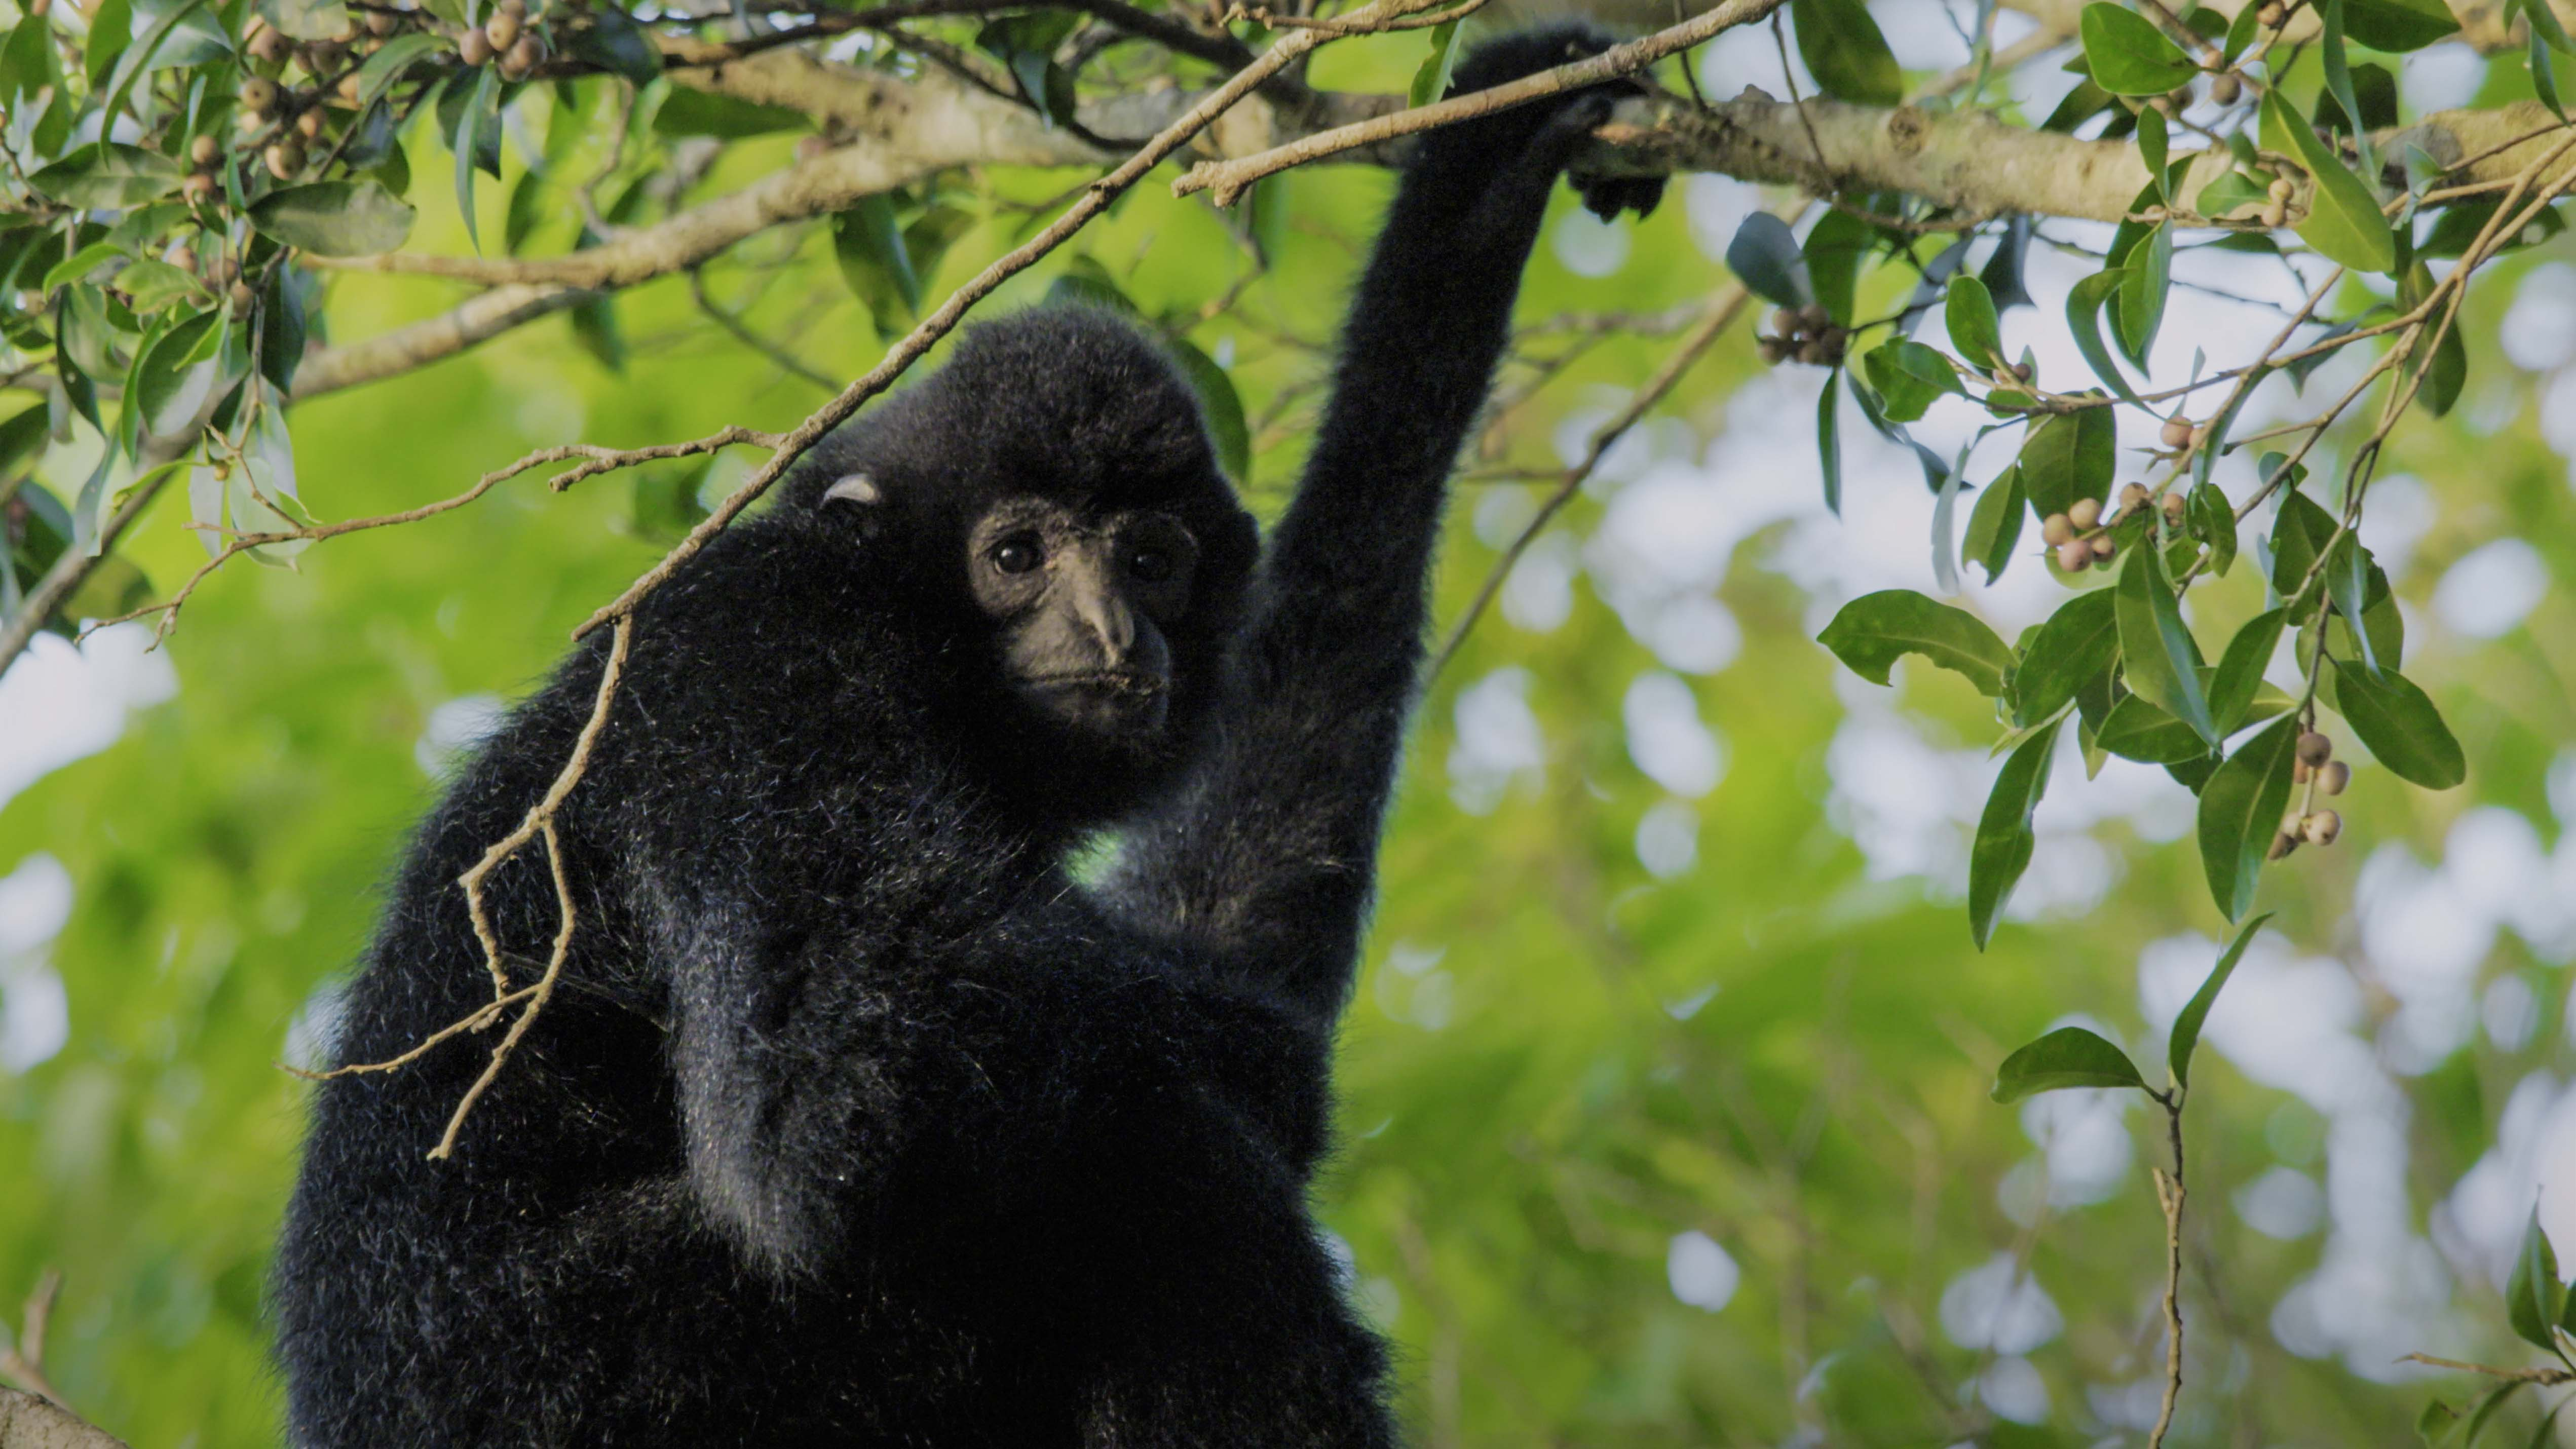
2067 1057
1873 631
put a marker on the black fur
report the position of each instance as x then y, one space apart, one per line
856 1121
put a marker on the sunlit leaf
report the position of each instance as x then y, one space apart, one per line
2186 1027
335 218
2067 1057
1873 631
2076 645
2240 814
2001 851
2400 724
1846 52
2343 221
2128 55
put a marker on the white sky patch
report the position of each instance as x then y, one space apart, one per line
1498 745
1668 839
1589 246
1996 1305
455 727
1666 738
2283 1203
1702 1273
2013 1389
2492 588
35 1014
2538 332
1538 595
59 702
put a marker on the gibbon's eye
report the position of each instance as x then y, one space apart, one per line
1153 565
1018 553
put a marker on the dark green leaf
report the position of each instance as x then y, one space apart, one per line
1223 407
2398 26
2067 1057
2128 55
2339 81
2186 1027
704 113
1829 445
2143 283
2343 222
2400 725
478 127
2533 1296
1874 630
868 242
1431 78
335 218
388 65
109 175
1909 377
1846 52
2448 368
2156 647
22 441
617 44
2070 456
2241 32
594 326
2240 814
2004 840
2348 569
1969 312
2077 644
2301 533
1764 257
2084 303
2240 670
1994 525
2232 191
1832 253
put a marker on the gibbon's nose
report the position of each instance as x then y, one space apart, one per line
1112 624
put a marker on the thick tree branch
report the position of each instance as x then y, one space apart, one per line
28 1422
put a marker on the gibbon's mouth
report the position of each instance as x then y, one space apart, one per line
1102 681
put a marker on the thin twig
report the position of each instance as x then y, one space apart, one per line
24 1360
72 570
2169 1196
780 357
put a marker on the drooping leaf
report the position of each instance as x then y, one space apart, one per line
1832 255
1431 78
1846 52
2144 281
1909 377
2400 725
1969 313
335 218
477 128
2075 646
2533 1296
2186 1027
1829 444
615 43
1764 257
2240 670
2001 851
2240 814
1994 525
1873 631
2343 222
2128 55
2084 303
2398 26
869 244
2070 456
2067 1057
1223 407
2157 657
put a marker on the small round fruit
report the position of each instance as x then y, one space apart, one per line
2085 513
2074 556
2272 14
2282 845
2101 545
2180 96
203 150
1788 321
2281 189
309 124
321 57
2174 508
1773 350
1813 352
1835 338
515 9
2333 776
474 49
242 296
2226 90
382 22
2314 749
349 90
2056 530
268 47
502 30
285 158
2133 496
258 95
2177 432
2275 216
2321 828
1814 317
182 256
2299 772
198 188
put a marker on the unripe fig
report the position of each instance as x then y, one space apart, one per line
203 150
382 22
2321 828
2086 513
2333 776
2174 508
2056 529
268 47
309 123
198 187
2275 216
1788 321
183 257
2180 96
349 90
258 95
2102 545
285 157
242 296
2226 90
2281 189
1814 317
2314 749
2074 555
2177 432
1773 350
515 9
1834 338
1812 352
2133 496
2272 14
474 49
503 31
2282 845
2299 772
39 9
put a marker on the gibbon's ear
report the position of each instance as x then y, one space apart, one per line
854 488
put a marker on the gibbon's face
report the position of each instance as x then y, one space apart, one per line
1085 603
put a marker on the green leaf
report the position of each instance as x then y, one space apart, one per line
2084 302
2533 1296
109 176
2143 284
388 65
306 19
335 218
2436 1423
2240 813
80 264
2070 456
2400 725
111 30
1909 377
1764 257
2137 730
2301 532
2186 1027
1832 256
2348 568
2231 191
704 113
615 43
2077 644
2155 645
2241 32
1873 631
1846 52
1994 525
22 441
2339 82
2128 55
2544 23
2240 670
594 326
868 242
2154 141
1829 445
170 388
2067 1057
1026 45
1223 407
1974 328
2447 369
1431 78
2343 221
478 126
2398 26
2004 840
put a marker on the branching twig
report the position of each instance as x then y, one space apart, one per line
24 1360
